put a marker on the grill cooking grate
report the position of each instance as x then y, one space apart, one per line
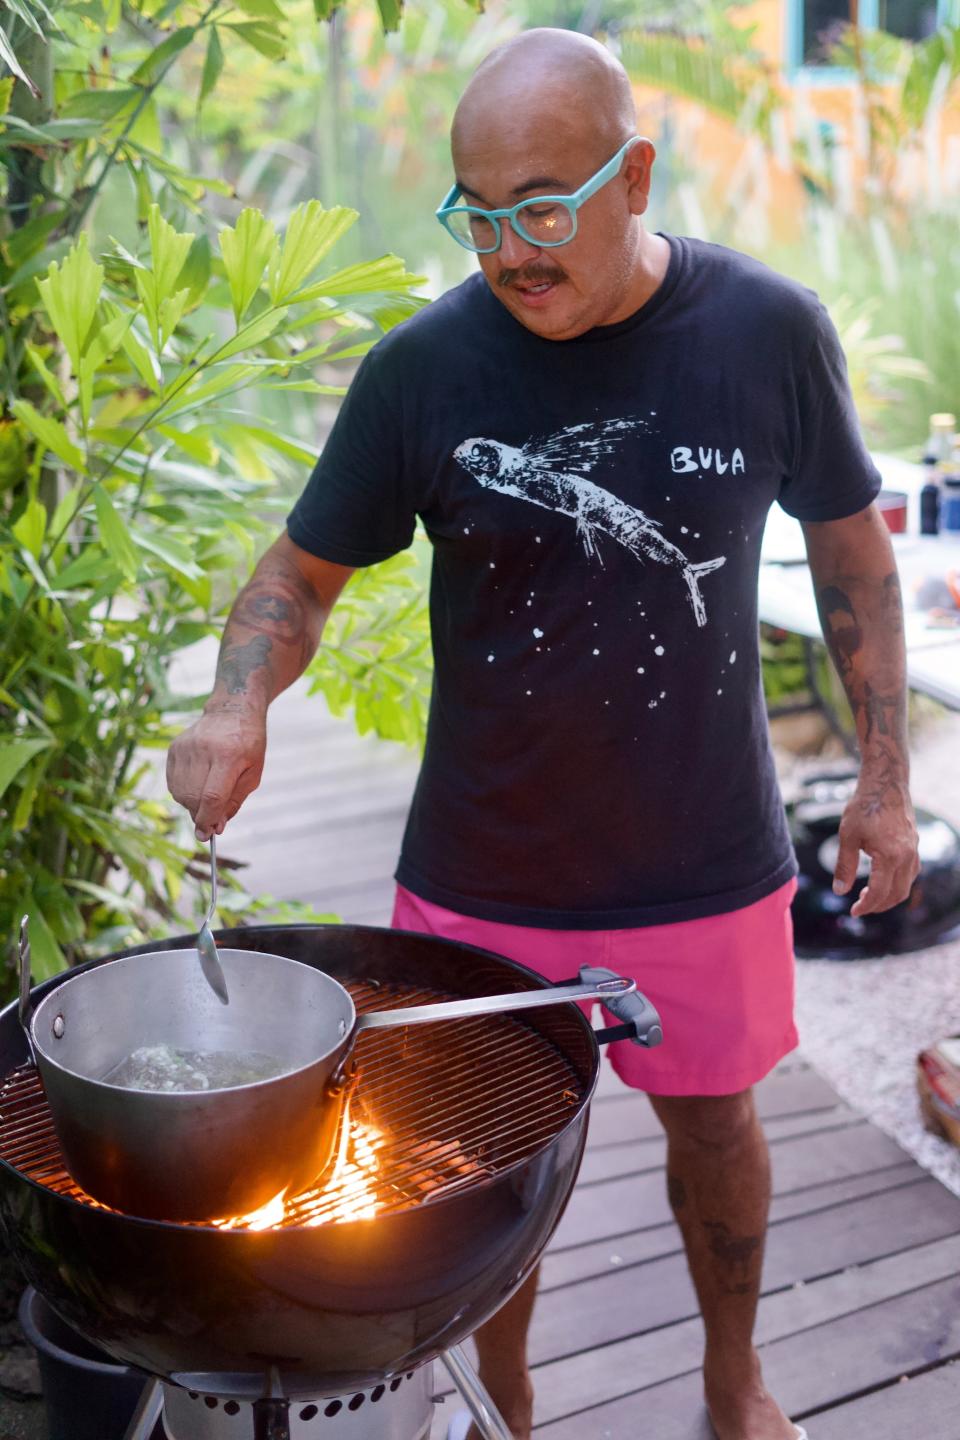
438 1109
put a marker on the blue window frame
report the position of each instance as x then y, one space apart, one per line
810 22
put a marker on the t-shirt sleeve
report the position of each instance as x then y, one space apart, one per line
834 475
357 507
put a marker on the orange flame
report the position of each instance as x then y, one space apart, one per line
350 1193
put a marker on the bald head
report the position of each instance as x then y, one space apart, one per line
543 82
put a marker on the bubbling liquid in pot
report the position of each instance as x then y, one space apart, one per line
163 1067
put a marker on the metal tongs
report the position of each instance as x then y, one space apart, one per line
206 945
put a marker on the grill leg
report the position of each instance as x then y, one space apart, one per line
147 1412
486 1416
271 1419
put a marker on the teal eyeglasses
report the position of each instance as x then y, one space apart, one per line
543 220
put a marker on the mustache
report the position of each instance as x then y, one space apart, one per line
535 274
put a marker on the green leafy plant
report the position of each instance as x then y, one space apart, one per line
142 463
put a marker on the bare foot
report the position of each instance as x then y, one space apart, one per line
514 1400
739 1404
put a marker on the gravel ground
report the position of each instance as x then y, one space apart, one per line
862 1022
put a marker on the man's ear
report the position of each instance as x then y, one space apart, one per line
638 169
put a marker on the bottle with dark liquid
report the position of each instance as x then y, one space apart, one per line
930 499
937 460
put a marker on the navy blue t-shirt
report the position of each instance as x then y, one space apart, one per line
597 752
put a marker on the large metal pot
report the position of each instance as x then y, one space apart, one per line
199 1155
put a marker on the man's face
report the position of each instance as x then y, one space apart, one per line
558 292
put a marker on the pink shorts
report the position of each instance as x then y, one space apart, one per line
723 985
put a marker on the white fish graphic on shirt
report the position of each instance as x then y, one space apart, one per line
550 473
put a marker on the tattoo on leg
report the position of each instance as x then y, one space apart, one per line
737 1254
676 1192
238 662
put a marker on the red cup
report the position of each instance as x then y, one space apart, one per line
893 508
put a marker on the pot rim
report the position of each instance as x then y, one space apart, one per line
49 1002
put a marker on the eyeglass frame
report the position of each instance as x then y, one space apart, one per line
571 203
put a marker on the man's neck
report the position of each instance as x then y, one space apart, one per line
653 261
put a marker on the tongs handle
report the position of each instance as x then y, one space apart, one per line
640 1025
23 1003
610 987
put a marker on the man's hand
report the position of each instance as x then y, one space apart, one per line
216 764
879 820
271 632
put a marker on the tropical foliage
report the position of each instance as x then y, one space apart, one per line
139 453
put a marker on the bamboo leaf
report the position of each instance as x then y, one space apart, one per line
263 37
212 66
7 54
311 233
261 9
32 527
114 534
14 754
71 293
46 957
102 105
46 374
251 334
369 277
50 433
92 565
6 90
171 552
158 57
391 12
247 250
168 249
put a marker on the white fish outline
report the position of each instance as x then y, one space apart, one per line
526 473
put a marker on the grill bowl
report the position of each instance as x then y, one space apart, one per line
341 1306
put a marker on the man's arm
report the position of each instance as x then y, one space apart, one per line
861 611
270 636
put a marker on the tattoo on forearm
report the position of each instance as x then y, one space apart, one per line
887 779
277 602
840 628
238 662
891 599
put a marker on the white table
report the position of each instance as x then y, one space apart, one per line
787 598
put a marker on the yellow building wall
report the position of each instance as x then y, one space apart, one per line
740 176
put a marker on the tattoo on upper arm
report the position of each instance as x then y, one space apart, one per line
238 662
840 628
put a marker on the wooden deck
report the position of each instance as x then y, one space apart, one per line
860 1317
860 1295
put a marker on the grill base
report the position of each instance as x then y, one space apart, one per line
402 1409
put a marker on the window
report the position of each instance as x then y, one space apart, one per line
823 22
910 19
814 26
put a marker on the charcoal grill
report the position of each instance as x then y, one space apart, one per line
460 1151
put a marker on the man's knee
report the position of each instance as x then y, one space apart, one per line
709 1123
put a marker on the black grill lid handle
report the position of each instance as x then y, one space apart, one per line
641 1023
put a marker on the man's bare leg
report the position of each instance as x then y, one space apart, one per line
502 1350
718 1178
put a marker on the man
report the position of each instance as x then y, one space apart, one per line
592 430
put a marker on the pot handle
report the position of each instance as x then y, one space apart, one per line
23 1003
641 1024
608 987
